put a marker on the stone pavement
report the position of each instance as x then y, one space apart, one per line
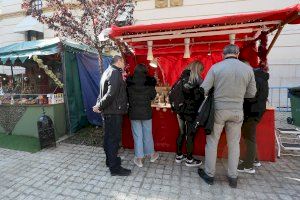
281 122
78 172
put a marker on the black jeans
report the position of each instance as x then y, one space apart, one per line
249 135
112 136
185 133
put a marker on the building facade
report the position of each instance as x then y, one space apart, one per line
284 59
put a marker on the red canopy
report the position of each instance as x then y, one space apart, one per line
281 14
208 37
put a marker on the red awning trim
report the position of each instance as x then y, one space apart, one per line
267 16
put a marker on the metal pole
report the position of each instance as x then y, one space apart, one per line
66 102
12 76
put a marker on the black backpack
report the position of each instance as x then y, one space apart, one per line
176 97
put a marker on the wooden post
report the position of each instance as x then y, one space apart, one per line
274 39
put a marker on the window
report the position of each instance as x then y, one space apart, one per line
166 3
125 18
174 3
34 35
36 5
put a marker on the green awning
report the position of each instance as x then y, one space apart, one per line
25 50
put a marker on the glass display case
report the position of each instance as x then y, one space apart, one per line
31 99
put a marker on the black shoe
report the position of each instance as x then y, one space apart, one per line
180 158
242 168
120 172
232 182
193 162
208 179
118 162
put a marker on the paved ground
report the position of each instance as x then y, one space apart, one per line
281 121
78 172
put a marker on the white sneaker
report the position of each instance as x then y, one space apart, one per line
179 159
193 162
138 162
249 171
154 157
256 163
243 169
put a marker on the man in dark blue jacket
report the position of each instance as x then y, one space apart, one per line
112 104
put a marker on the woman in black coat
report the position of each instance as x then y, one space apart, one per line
192 100
141 91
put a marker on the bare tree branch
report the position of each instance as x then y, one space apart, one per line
83 24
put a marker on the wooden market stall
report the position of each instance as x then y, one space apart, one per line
172 46
51 82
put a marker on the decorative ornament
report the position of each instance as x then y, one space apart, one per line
187 53
262 51
47 71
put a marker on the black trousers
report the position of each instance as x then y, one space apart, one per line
249 135
112 136
185 133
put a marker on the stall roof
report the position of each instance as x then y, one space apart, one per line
205 35
289 15
25 50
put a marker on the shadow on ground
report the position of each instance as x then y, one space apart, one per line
89 136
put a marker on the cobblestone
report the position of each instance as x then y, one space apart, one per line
78 172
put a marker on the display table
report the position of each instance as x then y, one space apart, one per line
22 119
165 132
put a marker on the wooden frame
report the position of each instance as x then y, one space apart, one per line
190 35
235 26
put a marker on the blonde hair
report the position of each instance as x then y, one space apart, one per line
196 68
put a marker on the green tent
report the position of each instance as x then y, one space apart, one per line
19 54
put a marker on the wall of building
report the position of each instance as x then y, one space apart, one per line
10 15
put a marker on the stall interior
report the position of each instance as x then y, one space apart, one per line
38 83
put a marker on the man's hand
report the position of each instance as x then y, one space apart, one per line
96 109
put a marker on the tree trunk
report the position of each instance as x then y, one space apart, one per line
100 60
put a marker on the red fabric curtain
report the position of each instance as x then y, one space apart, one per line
172 65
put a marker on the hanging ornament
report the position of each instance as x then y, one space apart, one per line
47 71
262 51
187 53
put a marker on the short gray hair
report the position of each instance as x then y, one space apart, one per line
231 49
116 58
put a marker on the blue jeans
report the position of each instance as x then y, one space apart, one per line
142 135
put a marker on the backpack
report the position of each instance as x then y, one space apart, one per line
176 97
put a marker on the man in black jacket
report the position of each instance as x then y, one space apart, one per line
112 104
253 112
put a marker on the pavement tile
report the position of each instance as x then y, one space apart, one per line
79 172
